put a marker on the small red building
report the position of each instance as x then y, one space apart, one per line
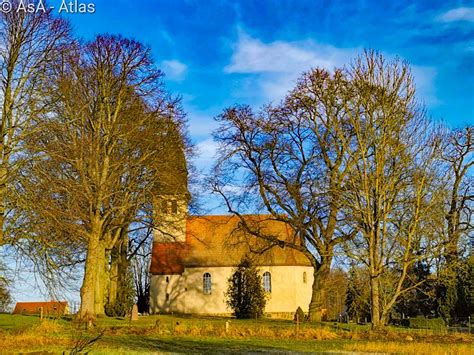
52 308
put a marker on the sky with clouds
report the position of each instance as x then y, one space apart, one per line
219 53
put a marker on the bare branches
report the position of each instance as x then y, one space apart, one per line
99 153
290 161
347 159
30 42
392 196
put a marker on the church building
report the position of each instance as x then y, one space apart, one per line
194 256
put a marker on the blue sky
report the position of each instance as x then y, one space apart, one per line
219 53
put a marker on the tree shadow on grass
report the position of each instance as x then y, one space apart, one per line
181 345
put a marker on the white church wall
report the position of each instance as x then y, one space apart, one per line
303 296
288 289
184 293
167 293
200 303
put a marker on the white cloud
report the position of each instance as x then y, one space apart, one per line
253 56
278 64
174 69
206 154
278 86
458 14
201 123
425 84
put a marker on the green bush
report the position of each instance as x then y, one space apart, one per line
425 323
245 294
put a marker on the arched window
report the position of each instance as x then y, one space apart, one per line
267 281
304 277
207 283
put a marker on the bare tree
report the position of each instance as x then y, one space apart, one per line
458 159
133 248
358 294
336 290
458 154
98 153
391 194
290 161
28 43
140 258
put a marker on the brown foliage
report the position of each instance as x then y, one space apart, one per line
98 156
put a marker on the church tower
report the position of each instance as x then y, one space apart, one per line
172 196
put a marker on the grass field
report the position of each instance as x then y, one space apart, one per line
158 334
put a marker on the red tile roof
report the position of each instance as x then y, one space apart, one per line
53 307
218 241
167 258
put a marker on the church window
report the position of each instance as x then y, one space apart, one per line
174 207
304 277
206 283
267 281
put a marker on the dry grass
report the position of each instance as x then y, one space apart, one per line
207 329
47 333
176 334
409 348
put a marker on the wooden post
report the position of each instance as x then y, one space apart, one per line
41 313
227 326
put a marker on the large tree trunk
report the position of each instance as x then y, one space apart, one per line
114 277
101 281
377 322
318 296
87 310
118 268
